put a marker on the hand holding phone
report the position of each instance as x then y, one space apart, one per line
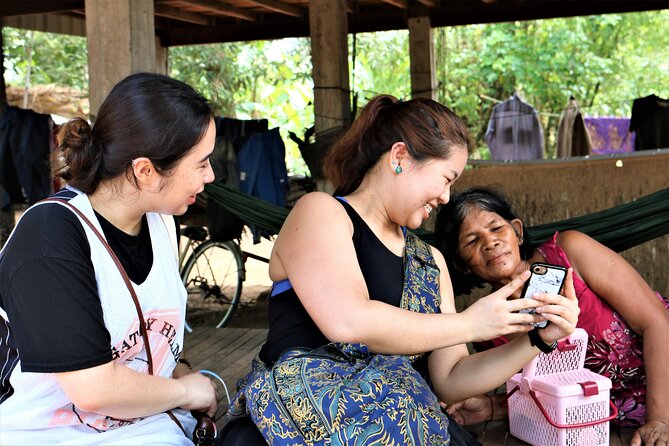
544 278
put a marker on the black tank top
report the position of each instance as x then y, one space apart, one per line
291 326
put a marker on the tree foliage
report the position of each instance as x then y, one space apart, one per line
254 80
52 58
603 61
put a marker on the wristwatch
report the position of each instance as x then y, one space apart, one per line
536 341
185 362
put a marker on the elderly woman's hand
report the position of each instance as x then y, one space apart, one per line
653 433
561 311
473 410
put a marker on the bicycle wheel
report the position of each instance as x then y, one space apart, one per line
213 277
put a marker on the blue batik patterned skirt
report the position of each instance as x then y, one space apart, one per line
341 394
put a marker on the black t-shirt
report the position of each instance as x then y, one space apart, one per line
291 326
49 292
650 122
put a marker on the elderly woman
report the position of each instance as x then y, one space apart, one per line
626 321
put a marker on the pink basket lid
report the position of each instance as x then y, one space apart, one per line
569 355
571 383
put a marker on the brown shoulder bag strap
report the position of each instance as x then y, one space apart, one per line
126 279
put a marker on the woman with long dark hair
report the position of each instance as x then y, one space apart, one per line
91 302
361 315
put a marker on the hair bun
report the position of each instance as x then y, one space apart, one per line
76 152
75 134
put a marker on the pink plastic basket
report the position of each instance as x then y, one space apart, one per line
555 401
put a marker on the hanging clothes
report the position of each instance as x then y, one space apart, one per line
650 122
572 137
262 170
25 146
231 135
609 135
514 131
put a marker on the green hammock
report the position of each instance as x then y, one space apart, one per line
620 227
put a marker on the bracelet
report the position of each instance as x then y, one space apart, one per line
536 341
186 362
492 408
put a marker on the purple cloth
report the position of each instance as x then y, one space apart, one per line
609 135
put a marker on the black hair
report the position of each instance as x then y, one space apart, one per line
448 225
145 115
428 128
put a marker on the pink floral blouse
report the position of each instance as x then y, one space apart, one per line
614 350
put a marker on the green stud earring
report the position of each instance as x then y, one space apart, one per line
398 170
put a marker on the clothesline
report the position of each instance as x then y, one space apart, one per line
487 98
499 101
555 114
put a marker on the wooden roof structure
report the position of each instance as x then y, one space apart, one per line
188 22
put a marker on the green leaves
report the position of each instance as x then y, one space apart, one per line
53 58
603 61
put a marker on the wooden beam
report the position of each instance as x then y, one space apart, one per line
404 4
448 14
220 8
180 14
280 7
429 3
12 8
242 32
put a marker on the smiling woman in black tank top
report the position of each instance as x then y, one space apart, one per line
360 304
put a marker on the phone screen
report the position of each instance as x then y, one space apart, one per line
544 278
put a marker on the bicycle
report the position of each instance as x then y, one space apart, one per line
213 273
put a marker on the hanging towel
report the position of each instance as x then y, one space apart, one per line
609 135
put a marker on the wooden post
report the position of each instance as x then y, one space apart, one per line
421 51
6 214
162 58
121 41
3 91
328 28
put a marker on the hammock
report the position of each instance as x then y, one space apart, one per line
620 227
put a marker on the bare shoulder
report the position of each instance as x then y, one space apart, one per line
575 241
585 254
315 200
438 258
316 218
315 206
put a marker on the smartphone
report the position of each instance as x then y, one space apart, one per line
544 278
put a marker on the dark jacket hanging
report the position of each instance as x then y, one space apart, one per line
25 138
514 131
650 122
